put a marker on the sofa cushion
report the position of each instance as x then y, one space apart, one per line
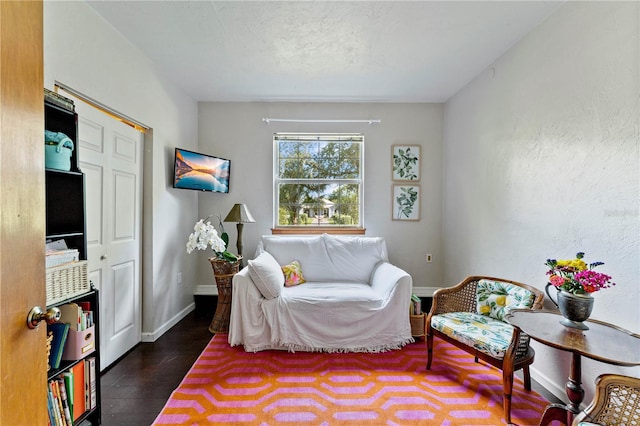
293 274
482 332
496 298
310 251
328 257
267 275
354 258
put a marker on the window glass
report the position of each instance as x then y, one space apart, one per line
318 180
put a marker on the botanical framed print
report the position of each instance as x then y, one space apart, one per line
406 202
405 164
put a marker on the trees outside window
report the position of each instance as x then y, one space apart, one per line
318 180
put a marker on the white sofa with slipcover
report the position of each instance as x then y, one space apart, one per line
352 299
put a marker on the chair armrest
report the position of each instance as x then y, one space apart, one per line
518 350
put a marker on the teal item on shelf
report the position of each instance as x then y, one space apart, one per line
57 150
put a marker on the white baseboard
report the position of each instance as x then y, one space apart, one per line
424 291
153 336
206 290
212 290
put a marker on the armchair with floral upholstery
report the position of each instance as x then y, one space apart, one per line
470 315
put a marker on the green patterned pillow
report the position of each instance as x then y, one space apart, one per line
293 274
496 298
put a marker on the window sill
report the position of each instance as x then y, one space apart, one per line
312 230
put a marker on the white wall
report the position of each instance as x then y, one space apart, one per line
541 161
84 52
236 131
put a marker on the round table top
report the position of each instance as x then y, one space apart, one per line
602 341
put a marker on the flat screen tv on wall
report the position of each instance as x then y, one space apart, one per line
201 172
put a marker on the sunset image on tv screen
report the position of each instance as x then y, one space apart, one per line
201 172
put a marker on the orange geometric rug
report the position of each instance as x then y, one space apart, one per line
227 385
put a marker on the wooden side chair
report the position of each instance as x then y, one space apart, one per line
616 402
470 315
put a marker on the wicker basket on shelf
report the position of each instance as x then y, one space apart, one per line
66 281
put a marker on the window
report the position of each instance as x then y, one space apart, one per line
318 181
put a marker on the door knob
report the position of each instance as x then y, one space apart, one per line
36 314
103 257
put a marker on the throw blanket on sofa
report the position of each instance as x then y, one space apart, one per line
352 300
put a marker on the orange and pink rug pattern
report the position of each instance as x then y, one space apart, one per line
229 386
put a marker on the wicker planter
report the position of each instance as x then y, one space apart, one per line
417 325
223 271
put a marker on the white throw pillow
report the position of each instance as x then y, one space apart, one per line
267 275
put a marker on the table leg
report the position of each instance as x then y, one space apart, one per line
575 393
220 322
573 387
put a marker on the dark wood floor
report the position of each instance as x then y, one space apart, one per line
135 389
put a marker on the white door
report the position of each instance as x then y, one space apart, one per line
110 156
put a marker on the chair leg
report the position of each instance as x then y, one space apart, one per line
507 382
527 377
429 350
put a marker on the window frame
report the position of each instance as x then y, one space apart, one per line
277 180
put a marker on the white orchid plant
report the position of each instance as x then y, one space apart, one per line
205 234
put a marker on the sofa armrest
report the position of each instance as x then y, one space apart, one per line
244 288
246 313
386 277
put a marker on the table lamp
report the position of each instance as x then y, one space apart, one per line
239 213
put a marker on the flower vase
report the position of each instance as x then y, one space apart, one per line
223 271
575 308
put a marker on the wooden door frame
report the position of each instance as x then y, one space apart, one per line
23 361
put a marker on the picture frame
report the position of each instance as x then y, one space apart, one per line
405 163
405 202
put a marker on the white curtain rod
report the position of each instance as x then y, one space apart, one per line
298 120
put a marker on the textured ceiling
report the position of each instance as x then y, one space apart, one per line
386 51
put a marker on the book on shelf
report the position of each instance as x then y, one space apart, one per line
60 332
90 381
64 400
78 400
415 307
57 403
53 419
68 386
71 313
78 315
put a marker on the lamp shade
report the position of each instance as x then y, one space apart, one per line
239 213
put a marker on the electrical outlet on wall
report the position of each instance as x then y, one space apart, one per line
428 258
179 277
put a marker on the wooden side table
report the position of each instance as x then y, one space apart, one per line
602 342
